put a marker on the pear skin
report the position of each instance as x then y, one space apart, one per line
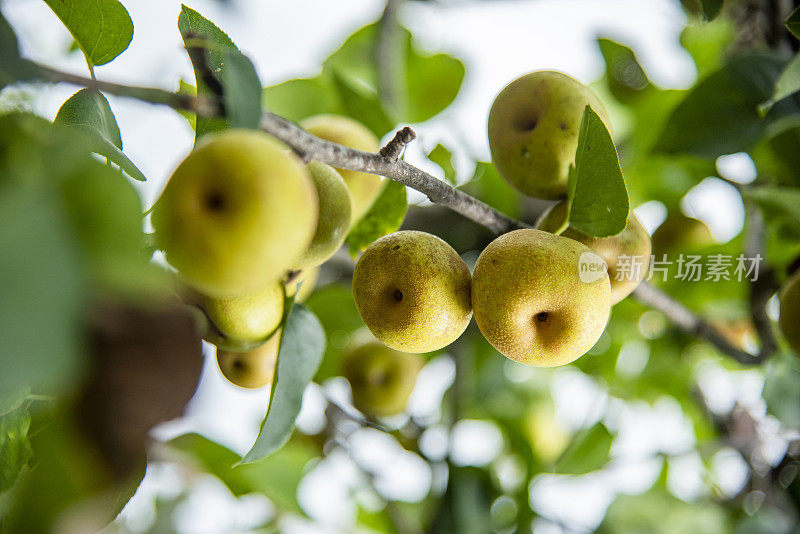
363 187
533 131
236 214
381 378
251 369
245 319
620 252
530 302
679 233
413 291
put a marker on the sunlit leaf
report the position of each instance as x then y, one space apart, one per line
444 159
384 217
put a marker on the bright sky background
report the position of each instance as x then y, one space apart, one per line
498 40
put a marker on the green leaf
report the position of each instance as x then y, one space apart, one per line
196 30
625 76
277 476
444 159
726 101
12 67
788 84
487 185
780 389
242 94
711 8
793 22
88 111
597 194
102 28
15 448
465 504
186 88
782 199
362 104
299 356
428 82
333 304
301 98
588 451
384 217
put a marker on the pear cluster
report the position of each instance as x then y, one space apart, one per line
245 222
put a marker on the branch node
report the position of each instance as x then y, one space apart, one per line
394 148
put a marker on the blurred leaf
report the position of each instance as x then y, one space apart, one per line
658 512
301 98
793 22
384 217
242 91
597 194
185 88
444 159
15 448
430 82
625 76
780 389
299 356
487 185
788 83
588 451
465 504
783 199
102 28
334 306
361 103
277 476
199 31
707 43
12 66
726 101
88 111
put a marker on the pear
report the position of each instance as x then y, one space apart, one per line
334 215
363 187
533 131
306 280
679 233
622 252
413 291
236 214
243 321
540 299
381 378
252 369
790 311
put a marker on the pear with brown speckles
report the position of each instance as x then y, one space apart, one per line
540 299
413 291
533 130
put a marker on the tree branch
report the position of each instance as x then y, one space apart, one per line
438 191
764 286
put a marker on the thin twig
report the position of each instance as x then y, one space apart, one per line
764 286
394 148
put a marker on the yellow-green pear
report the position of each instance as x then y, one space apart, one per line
413 291
626 254
539 298
790 311
533 130
345 131
381 378
237 213
251 369
243 321
334 215
679 233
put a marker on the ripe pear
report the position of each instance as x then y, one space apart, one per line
622 252
363 187
533 131
251 369
413 291
679 233
790 311
540 299
243 321
334 215
237 213
381 378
